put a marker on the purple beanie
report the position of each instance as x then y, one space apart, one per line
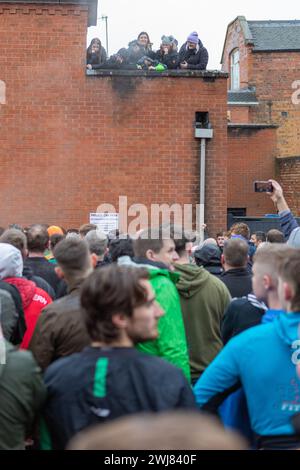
193 37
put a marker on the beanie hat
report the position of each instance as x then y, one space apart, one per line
193 37
168 40
294 238
54 229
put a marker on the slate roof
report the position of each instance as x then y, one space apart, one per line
275 35
242 96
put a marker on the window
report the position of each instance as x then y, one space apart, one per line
235 69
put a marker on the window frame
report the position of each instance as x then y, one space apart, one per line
235 69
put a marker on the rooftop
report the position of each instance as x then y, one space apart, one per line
275 35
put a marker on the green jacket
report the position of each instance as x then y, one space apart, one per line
204 299
22 393
171 343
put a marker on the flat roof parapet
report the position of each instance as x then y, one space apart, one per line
209 75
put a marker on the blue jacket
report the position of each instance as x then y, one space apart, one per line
261 360
288 223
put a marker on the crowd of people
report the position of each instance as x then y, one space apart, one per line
139 55
123 342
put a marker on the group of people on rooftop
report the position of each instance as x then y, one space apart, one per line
97 330
192 55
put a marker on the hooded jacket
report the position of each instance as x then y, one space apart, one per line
22 394
34 300
171 343
209 256
196 59
263 360
204 300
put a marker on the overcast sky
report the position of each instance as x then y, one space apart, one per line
127 18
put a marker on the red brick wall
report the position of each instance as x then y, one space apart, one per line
70 142
251 156
239 114
273 75
289 171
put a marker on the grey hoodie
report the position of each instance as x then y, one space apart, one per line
11 261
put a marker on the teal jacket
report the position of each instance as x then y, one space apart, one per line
171 343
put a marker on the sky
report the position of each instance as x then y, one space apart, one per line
127 18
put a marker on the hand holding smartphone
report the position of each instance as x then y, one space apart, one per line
263 187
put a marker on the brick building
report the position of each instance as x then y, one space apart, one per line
263 60
71 141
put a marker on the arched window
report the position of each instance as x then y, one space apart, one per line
235 69
2 92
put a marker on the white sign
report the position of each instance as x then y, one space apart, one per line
106 221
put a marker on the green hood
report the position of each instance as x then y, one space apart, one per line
192 279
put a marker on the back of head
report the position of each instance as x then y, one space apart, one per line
289 271
121 247
37 238
73 257
55 239
149 239
97 242
269 258
240 228
11 261
275 236
182 238
161 431
208 255
15 238
260 236
86 228
108 291
236 253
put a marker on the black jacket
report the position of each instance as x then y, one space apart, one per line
39 281
241 314
18 328
197 59
98 385
41 267
171 60
238 281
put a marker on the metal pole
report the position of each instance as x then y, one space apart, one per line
106 33
106 24
202 190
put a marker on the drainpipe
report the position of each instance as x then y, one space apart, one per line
203 131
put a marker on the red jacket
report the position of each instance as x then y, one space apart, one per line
34 300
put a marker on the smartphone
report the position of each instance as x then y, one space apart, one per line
263 187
